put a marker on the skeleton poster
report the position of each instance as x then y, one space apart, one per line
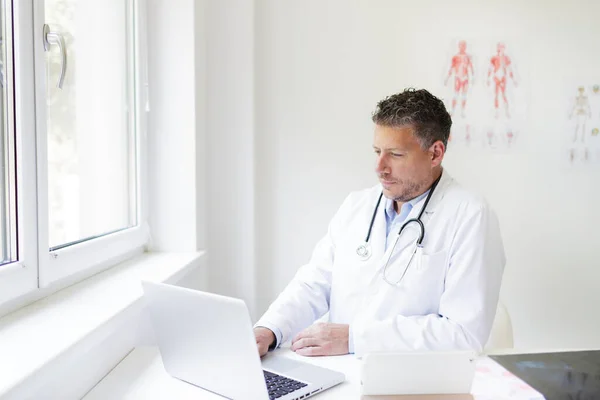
582 138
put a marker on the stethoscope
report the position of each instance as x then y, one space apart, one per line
364 250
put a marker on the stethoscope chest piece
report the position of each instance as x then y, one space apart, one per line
363 251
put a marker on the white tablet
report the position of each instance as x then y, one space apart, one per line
418 372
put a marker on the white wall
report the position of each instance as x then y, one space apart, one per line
201 138
177 130
229 150
173 126
320 68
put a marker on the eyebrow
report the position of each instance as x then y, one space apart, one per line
390 149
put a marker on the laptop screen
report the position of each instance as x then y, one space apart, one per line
561 375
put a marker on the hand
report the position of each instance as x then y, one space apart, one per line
264 338
322 339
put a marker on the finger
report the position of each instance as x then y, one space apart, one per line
306 333
311 351
262 350
312 331
305 342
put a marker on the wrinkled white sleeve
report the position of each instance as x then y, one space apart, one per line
306 297
467 306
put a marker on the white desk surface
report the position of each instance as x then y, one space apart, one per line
141 375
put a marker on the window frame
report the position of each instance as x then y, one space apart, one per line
64 262
21 277
38 267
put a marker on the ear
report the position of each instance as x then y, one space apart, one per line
437 151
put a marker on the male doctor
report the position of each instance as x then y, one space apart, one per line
388 293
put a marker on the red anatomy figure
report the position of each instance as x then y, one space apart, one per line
500 69
462 68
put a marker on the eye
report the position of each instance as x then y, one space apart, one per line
377 151
397 154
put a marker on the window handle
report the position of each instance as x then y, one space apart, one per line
51 38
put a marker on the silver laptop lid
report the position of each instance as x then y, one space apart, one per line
220 356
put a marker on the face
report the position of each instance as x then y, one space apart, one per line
462 46
404 168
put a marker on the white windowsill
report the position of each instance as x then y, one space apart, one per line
36 336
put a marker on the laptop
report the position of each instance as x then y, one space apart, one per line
418 373
207 340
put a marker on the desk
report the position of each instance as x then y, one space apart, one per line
141 375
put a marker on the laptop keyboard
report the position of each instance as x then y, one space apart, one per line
280 385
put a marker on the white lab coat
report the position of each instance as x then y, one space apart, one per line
446 300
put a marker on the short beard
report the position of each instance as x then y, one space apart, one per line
411 191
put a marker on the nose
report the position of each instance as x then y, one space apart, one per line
381 166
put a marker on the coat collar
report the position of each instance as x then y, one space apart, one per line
436 197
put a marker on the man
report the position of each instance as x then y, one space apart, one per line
384 292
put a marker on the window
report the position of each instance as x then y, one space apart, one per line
72 159
90 148
8 215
